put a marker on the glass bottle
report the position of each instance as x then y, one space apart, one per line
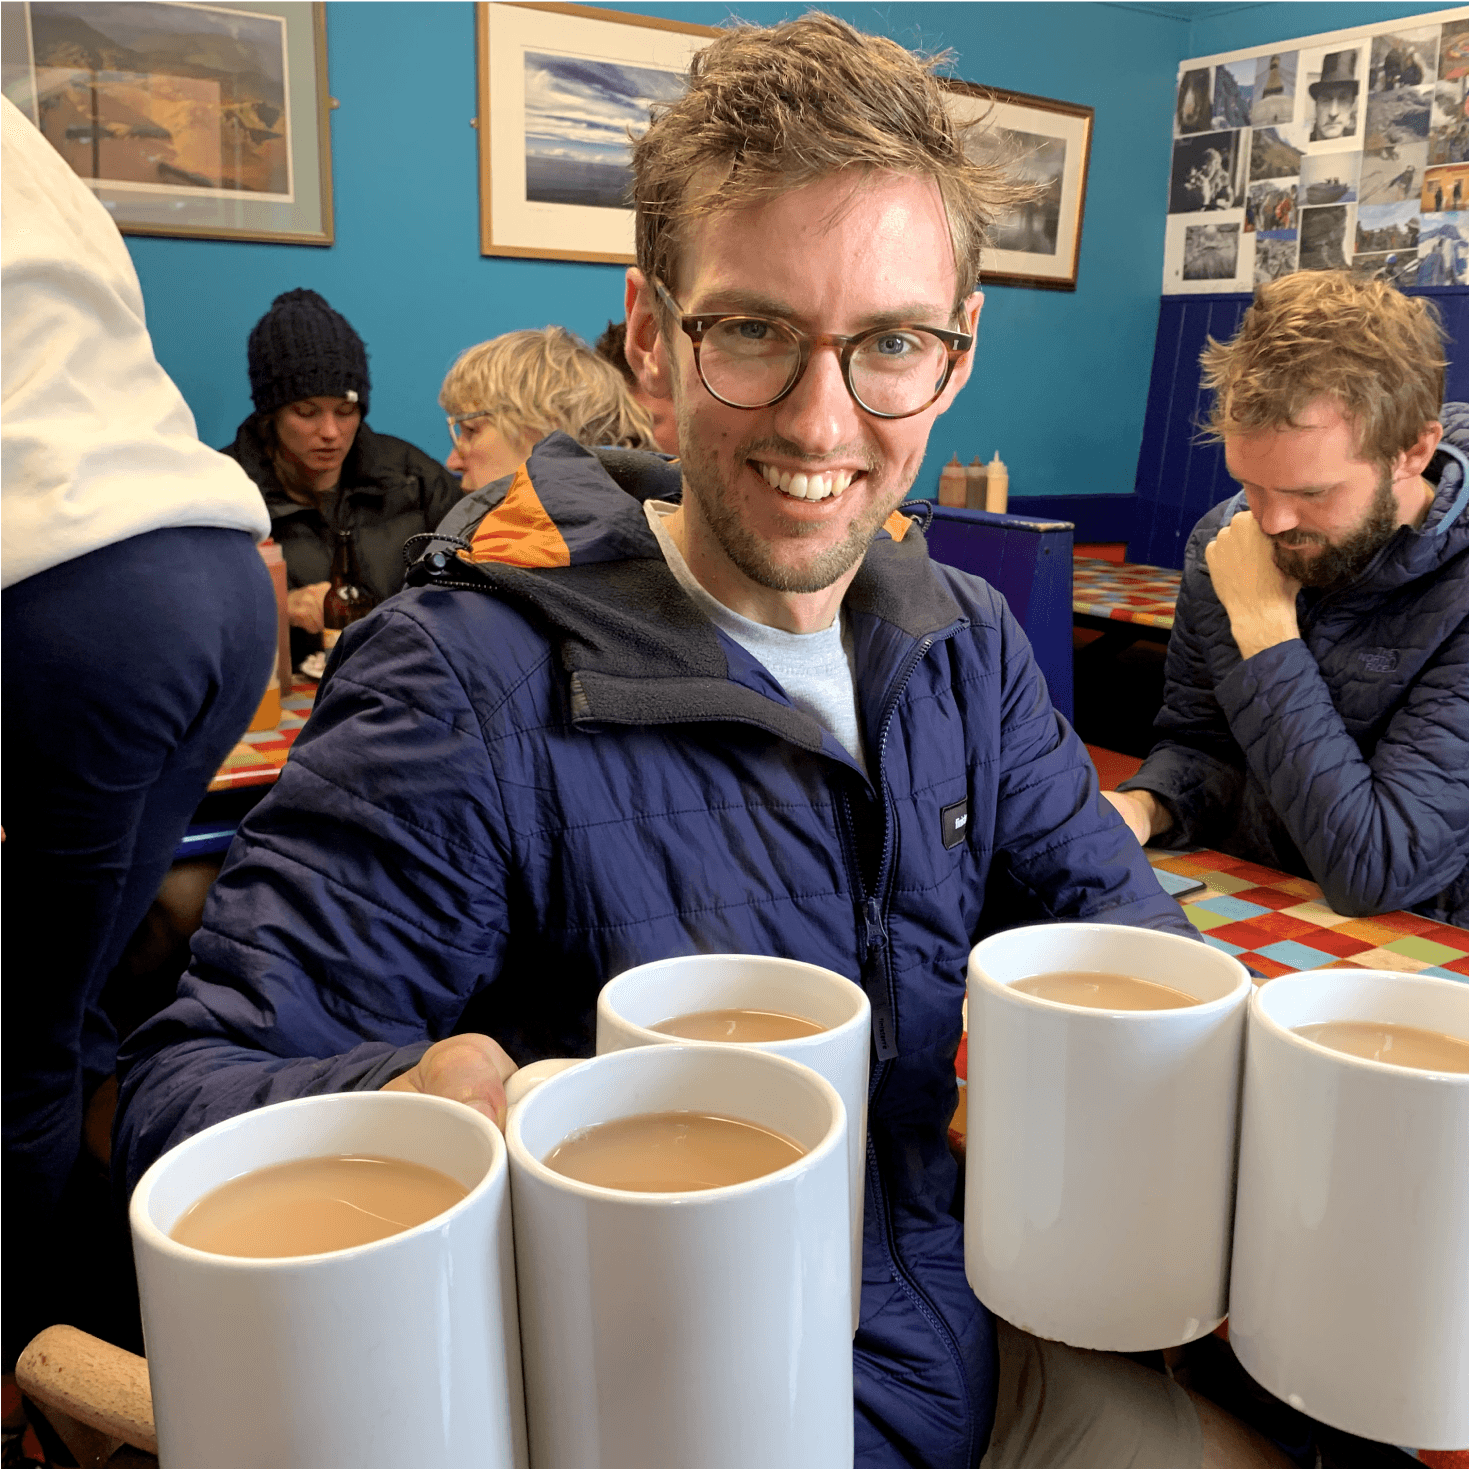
347 598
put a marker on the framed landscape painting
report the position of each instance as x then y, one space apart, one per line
559 87
1048 143
193 120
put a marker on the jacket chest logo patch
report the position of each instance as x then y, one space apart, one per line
954 823
1379 660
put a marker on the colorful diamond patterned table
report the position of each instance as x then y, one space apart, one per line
1281 925
258 758
1121 592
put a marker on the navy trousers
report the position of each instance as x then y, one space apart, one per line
128 674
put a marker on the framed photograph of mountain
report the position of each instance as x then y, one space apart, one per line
208 121
1048 143
559 88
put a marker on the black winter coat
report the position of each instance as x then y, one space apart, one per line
389 491
1342 756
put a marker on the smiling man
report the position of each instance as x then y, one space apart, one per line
644 709
1316 711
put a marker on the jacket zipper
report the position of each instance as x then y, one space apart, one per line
884 1023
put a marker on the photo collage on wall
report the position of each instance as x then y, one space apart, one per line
1340 151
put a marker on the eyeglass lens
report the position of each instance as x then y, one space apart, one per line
750 361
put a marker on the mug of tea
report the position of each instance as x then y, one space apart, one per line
1349 1296
1104 1075
681 1252
332 1281
788 1008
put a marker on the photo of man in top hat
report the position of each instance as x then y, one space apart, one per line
1334 96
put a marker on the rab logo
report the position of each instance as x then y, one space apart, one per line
954 823
1379 660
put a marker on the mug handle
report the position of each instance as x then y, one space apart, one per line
527 1078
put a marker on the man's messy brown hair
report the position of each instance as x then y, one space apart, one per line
769 110
1375 352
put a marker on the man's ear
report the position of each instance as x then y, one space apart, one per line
969 314
1415 460
644 347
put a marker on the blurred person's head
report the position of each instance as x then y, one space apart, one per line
811 182
1327 403
310 385
504 395
612 345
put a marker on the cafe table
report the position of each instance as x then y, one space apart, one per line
1275 924
258 758
1104 593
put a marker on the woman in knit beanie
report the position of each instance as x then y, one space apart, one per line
320 467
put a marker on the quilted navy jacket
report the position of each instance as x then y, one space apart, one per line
1342 756
520 780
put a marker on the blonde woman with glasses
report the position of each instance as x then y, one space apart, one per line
504 395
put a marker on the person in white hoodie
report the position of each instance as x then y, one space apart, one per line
138 631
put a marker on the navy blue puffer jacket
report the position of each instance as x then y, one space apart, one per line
1342 756
520 780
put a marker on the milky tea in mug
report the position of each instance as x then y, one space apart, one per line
1100 991
315 1205
672 1152
738 1026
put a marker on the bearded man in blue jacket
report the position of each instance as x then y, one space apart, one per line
723 706
1316 704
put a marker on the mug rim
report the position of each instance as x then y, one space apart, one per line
804 1042
1292 1037
145 1230
1244 981
520 1154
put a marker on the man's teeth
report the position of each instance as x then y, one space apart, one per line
806 486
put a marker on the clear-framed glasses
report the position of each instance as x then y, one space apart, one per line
467 425
754 361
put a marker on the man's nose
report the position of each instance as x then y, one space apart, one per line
455 462
329 428
820 414
1274 514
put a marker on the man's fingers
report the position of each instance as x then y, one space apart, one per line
471 1069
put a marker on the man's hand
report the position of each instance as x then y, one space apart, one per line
465 1068
1146 816
1258 596
303 606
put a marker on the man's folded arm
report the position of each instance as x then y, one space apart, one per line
1376 834
362 904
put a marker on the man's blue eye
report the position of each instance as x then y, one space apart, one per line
752 330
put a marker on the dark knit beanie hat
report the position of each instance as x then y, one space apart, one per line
301 348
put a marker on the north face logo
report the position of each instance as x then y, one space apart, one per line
1379 660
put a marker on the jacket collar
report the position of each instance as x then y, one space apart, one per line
570 542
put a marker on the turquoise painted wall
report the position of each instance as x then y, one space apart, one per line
1061 377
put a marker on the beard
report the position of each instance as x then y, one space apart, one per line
1339 562
751 553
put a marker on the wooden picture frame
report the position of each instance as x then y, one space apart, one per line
558 87
234 148
1038 245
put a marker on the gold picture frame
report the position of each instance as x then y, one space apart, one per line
197 121
550 187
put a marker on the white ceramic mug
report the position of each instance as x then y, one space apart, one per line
1101 1143
709 1327
1350 1292
643 997
402 1351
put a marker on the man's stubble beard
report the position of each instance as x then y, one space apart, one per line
1337 565
748 552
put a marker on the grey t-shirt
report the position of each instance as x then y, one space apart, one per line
815 669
